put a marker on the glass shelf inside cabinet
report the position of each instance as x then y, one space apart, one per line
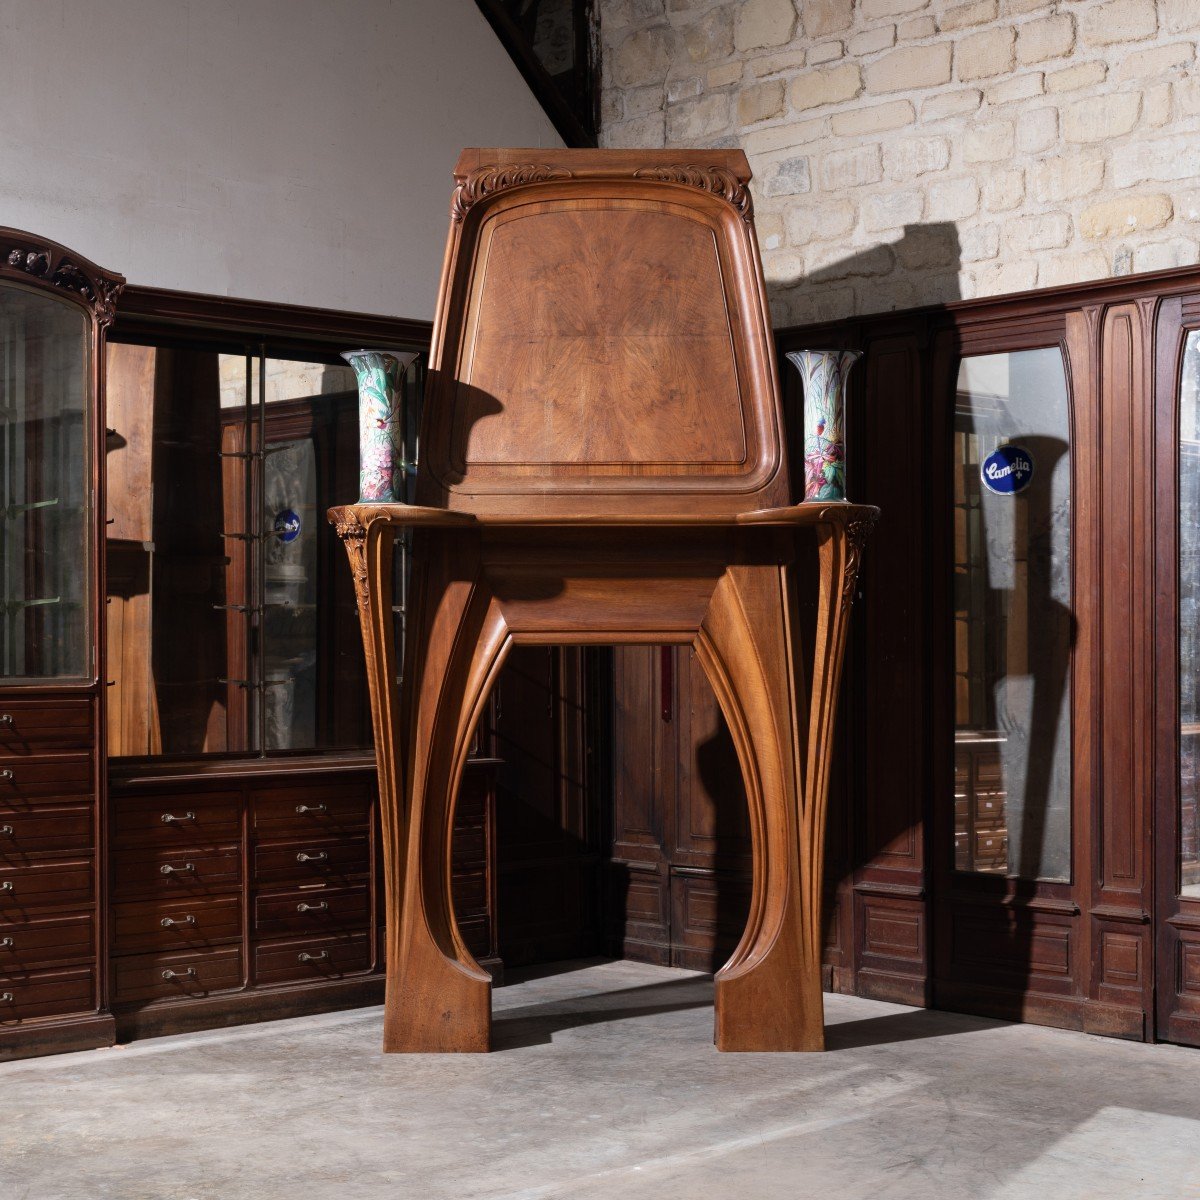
45 471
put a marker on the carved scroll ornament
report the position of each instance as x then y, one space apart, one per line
718 180
21 254
488 180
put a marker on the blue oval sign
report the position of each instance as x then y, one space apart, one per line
1007 470
287 525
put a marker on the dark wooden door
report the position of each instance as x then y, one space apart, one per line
547 817
1043 749
679 873
1008 795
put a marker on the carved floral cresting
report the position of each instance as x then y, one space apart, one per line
718 180
486 180
49 262
824 374
380 375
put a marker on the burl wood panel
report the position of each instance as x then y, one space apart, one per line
554 346
586 516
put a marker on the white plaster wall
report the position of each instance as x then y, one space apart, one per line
297 151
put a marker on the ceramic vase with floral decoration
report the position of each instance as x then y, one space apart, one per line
824 374
380 375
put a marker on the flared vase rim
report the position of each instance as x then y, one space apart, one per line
404 357
856 353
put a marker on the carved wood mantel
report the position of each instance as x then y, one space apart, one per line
603 464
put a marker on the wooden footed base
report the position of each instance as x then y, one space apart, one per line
730 591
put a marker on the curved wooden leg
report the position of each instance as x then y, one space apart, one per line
768 996
438 998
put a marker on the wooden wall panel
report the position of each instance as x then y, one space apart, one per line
1120 841
638 892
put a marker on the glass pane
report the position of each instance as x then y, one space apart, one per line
232 617
1189 619
290 524
313 689
176 563
45 488
1013 620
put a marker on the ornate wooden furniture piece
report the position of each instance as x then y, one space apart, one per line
54 309
603 463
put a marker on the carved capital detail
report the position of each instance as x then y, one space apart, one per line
857 532
486 181
49 263
354 534
718 180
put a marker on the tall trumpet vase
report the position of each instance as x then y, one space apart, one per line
381 419
824 374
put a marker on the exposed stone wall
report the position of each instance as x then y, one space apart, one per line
909 152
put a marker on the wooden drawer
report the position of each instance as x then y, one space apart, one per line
26 831
311 958
303 862
145 978
183 873
316 910
990 806
25 945
468 845
303 813
989 769
140 925
30 782
47 993
37 727
991 846
194 820
57 884
469 892
471 808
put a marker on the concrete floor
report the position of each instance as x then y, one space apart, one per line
606 1084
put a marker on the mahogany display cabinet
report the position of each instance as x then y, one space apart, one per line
188 820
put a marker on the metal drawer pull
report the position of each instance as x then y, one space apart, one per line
6 886
304 956
6 718
6 942
191 971
6 774
167 869
320 906
318 856
307 808
7 830
167 818
6 997
168 922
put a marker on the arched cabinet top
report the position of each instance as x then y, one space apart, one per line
602 339
28 259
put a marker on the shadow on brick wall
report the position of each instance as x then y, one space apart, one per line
920 269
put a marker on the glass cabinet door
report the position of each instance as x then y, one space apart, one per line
1013 620
45 489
